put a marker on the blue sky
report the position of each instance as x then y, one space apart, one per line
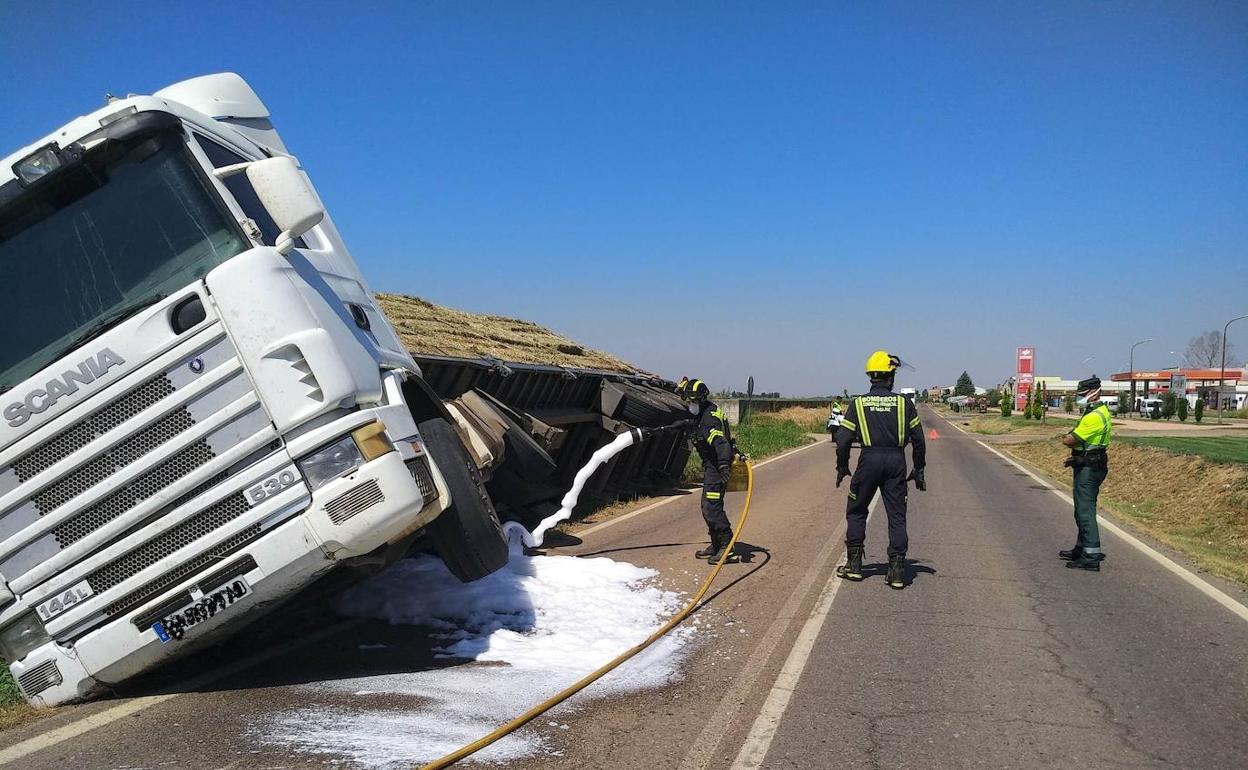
727 189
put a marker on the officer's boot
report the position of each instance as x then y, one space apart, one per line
852 568
1090 562
896 577
719 544
1073 553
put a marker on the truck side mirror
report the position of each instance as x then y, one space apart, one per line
287 196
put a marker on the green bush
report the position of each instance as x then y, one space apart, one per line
1200 409
1007 404
1182 410
1168 407
1068 404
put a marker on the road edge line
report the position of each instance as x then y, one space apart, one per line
42 741
1205 587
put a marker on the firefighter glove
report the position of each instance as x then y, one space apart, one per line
919 477
841 473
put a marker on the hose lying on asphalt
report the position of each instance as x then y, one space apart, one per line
593 676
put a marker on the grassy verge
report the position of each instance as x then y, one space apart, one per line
766 435
1187 501
1218 449
995 425
13 708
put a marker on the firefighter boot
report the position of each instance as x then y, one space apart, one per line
896 577
719 544
707 551
852 568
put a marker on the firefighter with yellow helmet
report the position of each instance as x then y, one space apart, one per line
882 422
712 438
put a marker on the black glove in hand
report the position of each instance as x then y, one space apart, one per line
841 474
919 477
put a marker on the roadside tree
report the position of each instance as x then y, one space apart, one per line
1200 410
1182 410
1204 351
1068 404
964 386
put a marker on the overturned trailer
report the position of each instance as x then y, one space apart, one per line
545 421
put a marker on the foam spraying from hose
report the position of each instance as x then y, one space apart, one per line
534 539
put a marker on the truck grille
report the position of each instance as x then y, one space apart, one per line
95 516
77 436
162 583
419 469
354 501
212 518
40 678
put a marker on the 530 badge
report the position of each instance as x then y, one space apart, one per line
270 486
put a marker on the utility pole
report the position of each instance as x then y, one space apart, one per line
1131 366
1222 371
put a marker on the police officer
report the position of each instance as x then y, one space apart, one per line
1088 443
882 422
712 439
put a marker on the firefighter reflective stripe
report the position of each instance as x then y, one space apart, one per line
915 422
901 422
714 495
848 423
719 413
862 423
710 437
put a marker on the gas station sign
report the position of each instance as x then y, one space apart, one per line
1024 375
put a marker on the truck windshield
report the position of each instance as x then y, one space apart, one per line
125 226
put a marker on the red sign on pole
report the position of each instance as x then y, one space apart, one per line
1024 374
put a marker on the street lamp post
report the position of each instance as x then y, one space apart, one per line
1131 374
1222 371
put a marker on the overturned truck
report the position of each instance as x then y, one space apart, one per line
531 427
205 411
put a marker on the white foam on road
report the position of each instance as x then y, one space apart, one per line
530 629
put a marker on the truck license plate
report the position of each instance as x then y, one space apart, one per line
173 627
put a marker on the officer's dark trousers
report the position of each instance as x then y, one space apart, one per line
1087 486
883 469
713 486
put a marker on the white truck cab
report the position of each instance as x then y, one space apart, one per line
202 409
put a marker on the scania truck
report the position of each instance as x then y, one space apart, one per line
202 409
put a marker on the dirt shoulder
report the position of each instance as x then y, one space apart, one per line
1187 502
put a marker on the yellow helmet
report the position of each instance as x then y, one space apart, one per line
883 362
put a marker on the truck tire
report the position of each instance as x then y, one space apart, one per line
467 536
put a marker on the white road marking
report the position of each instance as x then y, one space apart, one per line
763 731
1187 575
647 508
76 728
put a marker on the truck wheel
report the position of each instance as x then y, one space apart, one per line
467 536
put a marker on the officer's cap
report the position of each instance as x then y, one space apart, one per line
1088 385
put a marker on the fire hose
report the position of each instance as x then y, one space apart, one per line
622 442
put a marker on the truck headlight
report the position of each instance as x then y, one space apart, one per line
22 636
330 461
344 455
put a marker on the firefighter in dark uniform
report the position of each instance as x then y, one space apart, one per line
1088 442
883 422
712 439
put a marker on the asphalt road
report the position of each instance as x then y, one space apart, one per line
994 656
